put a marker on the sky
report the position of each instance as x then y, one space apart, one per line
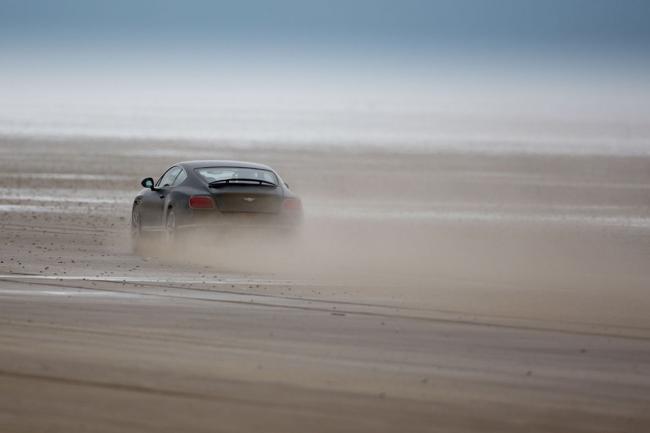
66 63
594 26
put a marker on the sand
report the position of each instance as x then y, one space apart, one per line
429 291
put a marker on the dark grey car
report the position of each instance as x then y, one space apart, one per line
213 194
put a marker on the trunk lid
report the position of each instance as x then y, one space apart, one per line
248 199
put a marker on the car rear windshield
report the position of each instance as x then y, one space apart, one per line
212 174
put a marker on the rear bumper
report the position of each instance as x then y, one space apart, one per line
239 222
236 227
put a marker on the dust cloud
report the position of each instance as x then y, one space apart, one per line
562 237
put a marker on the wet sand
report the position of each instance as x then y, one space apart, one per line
429 292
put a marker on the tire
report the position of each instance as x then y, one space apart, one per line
137 236
170 233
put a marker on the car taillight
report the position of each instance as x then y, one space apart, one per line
201 202
292 204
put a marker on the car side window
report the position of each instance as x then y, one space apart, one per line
180 178
167 179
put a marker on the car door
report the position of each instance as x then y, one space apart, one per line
153 202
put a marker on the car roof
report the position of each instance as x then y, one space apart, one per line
222 163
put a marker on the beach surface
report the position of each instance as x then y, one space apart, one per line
436 290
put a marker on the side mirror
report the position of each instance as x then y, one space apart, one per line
147 182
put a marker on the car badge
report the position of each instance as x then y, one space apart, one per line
249 199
